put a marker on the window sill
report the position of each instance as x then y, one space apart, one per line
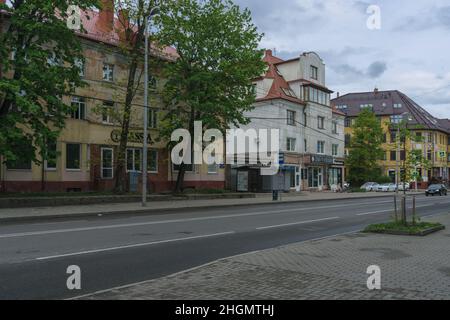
73 170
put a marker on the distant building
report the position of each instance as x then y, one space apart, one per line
292 97
389 107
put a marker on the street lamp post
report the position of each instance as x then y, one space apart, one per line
146 109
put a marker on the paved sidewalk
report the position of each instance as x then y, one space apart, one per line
159 206
333 268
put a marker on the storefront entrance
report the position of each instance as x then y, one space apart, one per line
315 177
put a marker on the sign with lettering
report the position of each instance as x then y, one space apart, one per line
322 159
133 136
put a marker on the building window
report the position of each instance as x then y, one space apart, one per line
305 119
134 160
78 108
50 163
334 127
106 112
335 149
396 119
152 165
79 63
290 144
291 117
321 147
348 140
152 118
73 156
320 122
107 163
152 82
108 72
306 145
393 155
19 164
314 73
397 105
348 122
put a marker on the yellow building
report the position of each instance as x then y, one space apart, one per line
391 107
88 145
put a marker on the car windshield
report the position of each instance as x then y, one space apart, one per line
435 186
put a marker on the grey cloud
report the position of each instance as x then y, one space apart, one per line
376 69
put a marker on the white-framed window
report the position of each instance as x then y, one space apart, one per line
134 159
396 119
80 64
320 122
108 72
107 159
78 108
152 164
152 118
73 156
314 73
335 149
106 112
334 127
320 147
397 105
290 144
291 117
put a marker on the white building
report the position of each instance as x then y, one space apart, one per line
292 97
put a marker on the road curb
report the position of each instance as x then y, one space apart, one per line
157 211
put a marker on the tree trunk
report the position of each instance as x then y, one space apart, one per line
120 174
180 179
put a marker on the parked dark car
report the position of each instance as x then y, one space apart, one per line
434 189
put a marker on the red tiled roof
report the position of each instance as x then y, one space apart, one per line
94 30
280 89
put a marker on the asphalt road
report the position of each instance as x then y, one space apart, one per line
118 250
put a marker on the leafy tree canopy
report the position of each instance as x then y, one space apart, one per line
39 64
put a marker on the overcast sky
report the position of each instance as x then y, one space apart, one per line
410 53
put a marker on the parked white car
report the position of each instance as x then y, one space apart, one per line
370 186
400 186
387 187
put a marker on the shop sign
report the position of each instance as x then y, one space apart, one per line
133 136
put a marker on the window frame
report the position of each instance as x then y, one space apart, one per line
80 102
112 163
110 72
79 157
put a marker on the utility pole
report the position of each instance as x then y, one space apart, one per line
146 106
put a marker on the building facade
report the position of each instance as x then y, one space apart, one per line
391 107
293 98
87 147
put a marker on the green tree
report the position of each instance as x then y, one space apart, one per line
133 14
211 81
365 149
39 58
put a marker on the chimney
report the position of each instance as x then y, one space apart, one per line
106 15
269 53
375 90
337 94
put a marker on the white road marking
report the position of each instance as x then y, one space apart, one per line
135 245
296 223
374 212
128 225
